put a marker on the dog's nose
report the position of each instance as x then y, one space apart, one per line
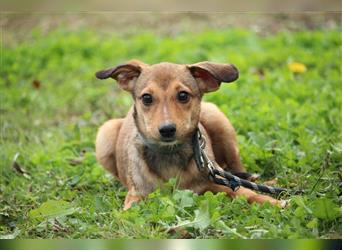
167 130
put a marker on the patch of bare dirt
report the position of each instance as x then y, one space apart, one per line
18 26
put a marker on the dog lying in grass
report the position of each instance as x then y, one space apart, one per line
153 143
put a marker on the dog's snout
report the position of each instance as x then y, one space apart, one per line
167 130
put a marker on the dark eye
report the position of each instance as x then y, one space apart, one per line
147 99
183 96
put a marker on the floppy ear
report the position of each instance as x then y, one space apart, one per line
125 74
209 75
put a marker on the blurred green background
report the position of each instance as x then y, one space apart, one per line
170 244
286 108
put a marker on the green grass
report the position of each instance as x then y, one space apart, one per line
288 124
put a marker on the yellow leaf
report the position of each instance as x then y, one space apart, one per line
297 67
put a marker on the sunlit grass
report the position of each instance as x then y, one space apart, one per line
288 123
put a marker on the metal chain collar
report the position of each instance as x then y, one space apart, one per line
204 163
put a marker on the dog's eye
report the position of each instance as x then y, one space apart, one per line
147 99
183 97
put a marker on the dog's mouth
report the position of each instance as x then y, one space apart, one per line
168 140
168 146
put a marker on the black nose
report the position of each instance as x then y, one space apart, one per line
167 130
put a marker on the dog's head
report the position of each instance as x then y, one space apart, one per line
167 96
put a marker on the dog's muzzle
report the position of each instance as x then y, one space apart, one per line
163 147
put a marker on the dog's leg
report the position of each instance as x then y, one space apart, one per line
250 195
105 144
223 138
131 198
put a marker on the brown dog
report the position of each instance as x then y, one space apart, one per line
154 141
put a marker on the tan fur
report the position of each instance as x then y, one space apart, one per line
126 147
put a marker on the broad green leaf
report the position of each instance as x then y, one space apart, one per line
202 218
337 147
299 212
221 225
325 209
312 224
300 202
52 209
10 236
184 197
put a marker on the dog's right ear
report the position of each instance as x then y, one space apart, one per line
124 74
209 75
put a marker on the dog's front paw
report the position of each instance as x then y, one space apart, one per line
284 203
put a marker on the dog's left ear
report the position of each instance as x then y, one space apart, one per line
125 74
209 75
